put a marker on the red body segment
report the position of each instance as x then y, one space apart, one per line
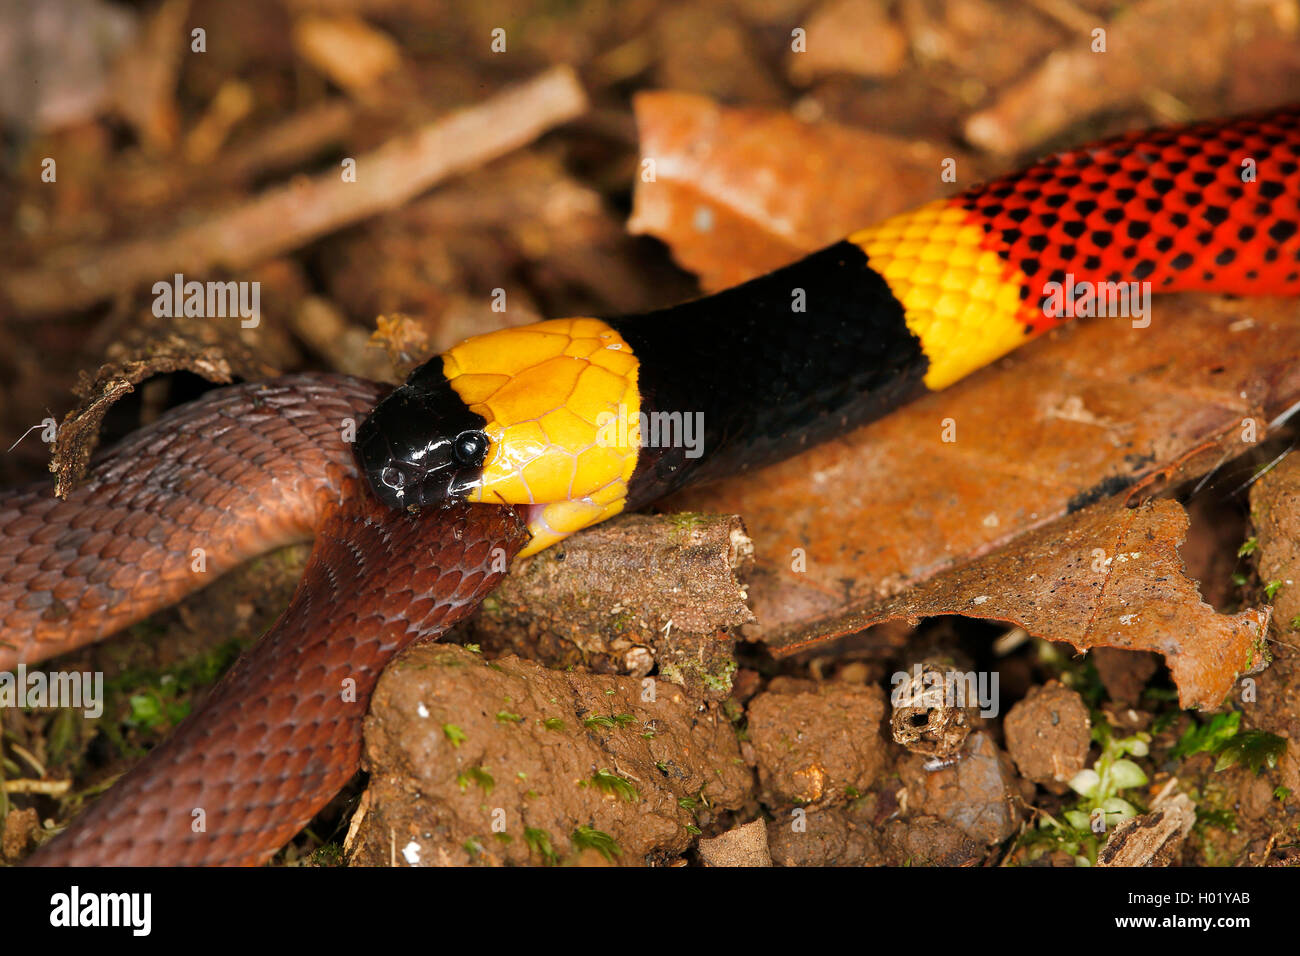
1211 206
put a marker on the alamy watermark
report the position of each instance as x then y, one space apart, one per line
80 690
927 687
210 300
655 430
1083 299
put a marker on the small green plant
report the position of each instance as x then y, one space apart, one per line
609 782
476 775
1209 737
1271 589
1254 749
553 723
1248 547
506 717
1222 735
539 842
455 736
153 709
1100 806
1100 784
589 838
613 720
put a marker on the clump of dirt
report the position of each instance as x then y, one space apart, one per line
744 846
861 834
1048 733
1123 673
506 762
979 793
817 744
634 594
837 836
925 841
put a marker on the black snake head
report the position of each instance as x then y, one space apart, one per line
421 445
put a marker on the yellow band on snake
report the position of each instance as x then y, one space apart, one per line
561 403
961 299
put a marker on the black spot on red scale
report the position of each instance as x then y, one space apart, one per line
1175 197
1281 231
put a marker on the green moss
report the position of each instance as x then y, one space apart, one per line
717 679
1255 749
476 775
539 842
609 782
611 721
455 736
684 521
331 854
589 838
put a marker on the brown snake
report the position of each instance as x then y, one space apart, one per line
240 471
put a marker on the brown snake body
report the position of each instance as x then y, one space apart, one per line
241 471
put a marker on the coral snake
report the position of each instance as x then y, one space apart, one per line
549 419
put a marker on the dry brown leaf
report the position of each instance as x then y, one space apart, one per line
1105 576
738 192
1083 413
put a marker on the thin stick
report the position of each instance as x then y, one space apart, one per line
291 215
51 788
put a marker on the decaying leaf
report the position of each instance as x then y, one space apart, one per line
1153 839
1108 576
201 348
1087 412
738 192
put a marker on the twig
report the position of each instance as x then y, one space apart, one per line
52 788
291 215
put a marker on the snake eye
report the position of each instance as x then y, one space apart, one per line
393 477
470 448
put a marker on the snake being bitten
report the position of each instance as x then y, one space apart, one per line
515 439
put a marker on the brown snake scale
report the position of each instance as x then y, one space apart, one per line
236 473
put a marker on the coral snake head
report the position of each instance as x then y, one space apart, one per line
544 415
